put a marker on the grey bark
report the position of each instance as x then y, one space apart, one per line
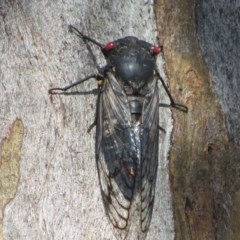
218 26
58 194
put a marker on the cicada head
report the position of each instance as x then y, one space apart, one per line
134 60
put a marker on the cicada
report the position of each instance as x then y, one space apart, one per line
127 127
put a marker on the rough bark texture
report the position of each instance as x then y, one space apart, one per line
54 191
204 160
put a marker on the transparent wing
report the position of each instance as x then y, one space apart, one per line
149 154
116 152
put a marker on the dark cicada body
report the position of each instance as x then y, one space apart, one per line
127 131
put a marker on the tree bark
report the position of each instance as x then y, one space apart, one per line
48 180
54 188
204 158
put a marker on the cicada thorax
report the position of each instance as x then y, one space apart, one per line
134 62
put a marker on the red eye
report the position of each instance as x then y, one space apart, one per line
155 49
109 46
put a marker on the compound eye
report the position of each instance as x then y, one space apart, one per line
109 46
155 49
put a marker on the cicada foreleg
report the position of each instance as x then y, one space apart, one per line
173 104
58 90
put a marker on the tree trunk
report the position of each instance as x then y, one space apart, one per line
204 158
54 190
48 180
